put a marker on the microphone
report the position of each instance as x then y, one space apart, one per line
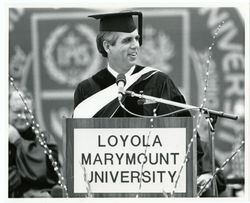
121 82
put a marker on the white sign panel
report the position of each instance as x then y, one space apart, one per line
114 160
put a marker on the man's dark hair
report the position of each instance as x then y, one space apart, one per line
110 37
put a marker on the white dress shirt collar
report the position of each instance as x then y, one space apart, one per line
115 74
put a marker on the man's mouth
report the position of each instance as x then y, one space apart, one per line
133 54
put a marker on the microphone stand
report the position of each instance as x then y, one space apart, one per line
181 105
211 119
211 125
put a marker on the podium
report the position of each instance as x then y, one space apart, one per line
125 157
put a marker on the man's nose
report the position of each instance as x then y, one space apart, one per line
134 43
21 115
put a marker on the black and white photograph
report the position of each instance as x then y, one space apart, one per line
126 101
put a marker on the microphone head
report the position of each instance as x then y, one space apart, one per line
121 78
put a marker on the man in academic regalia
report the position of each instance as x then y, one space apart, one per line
31 173
119 41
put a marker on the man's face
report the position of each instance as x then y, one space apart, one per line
17 114
125 51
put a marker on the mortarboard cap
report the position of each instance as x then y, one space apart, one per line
119 22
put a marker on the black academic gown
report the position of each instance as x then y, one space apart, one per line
29 167
158 85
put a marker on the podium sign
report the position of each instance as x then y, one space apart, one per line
114 157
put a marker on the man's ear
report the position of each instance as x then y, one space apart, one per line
106 46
